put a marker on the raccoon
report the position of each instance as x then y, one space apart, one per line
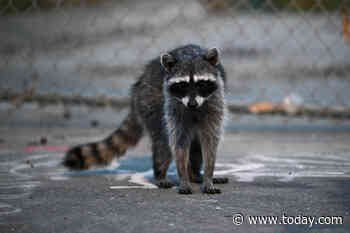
179 101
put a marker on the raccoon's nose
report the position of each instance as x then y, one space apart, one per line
192 103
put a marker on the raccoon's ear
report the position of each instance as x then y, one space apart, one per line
167 61
212 56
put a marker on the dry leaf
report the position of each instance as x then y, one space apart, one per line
262 107
345 24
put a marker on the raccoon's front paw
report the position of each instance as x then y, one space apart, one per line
185 189
210 189
164 184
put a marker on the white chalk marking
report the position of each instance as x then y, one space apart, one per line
6 209
23 181
140 179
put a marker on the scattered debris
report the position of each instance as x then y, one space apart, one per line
30 163
67 114
43 140
94 123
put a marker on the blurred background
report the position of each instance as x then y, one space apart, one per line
66 67
288 61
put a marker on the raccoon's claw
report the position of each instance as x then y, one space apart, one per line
220 180
164 184
210 190
185 189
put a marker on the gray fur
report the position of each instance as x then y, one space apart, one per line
190 135
181 126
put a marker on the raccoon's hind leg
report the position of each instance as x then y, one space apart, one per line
162 158
195 167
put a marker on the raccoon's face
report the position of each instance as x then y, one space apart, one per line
192 91
192 82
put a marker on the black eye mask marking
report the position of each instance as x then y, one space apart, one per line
205 88
180 89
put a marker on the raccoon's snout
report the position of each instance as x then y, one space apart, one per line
192 103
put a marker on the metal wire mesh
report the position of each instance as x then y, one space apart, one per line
289 57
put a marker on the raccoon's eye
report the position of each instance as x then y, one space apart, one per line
179 89
206 88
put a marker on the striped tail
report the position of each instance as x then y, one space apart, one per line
103 152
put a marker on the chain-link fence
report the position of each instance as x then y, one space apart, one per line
287 57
